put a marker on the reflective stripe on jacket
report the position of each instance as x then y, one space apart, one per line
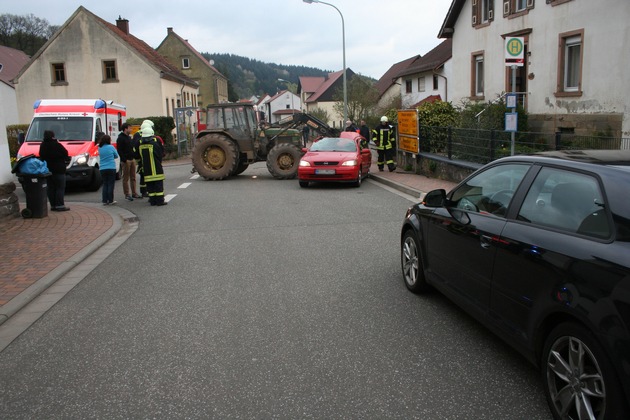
384 137
151 152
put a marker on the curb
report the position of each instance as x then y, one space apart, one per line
120 218
400 187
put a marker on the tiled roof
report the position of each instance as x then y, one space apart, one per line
387 80
12 61
309 84
431 60
428 99
168 71
324 88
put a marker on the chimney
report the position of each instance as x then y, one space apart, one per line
123 25
169 31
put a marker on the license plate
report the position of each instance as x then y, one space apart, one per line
324 171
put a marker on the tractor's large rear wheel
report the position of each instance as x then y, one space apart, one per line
283 160
215 157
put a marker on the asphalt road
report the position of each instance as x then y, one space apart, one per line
254 298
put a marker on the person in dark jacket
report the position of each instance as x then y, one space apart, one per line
125 146
350 127
364 130
56 158
151 152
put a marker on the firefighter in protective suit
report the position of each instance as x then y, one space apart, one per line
384 138
151 152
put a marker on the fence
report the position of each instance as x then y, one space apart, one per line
483 146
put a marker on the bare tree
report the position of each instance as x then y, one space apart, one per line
26 33
362 97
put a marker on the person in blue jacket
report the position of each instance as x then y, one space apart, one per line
107 165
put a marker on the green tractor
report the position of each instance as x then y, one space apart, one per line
234 138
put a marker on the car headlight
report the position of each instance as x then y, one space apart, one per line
305 163
81 159
352 162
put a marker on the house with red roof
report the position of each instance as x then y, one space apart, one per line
280 106
323 93
91 58
213 86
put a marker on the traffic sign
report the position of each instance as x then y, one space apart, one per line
515 51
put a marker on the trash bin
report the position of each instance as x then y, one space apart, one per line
36 190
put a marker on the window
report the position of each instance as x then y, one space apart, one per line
477 76
517 7
568 201
436 83
482 12
185 63
59 74
421 83
109 71
408 86
570 64
490 191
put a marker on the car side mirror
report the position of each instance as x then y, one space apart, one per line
435 198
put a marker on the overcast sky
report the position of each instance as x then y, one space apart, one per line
379 33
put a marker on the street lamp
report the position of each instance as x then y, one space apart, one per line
343 37
287 82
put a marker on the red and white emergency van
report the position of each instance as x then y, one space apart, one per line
76 123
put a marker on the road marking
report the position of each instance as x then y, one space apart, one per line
194 176
169 197
185 185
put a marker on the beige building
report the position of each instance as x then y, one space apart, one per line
91 58
213 86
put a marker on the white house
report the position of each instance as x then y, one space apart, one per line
426 79
576 61
279 106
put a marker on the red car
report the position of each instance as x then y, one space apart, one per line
346 158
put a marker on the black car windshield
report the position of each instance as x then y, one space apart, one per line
334 144
65 128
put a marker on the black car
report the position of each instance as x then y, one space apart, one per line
537 248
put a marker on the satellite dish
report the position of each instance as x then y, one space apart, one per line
211 62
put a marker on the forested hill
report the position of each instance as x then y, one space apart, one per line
249 77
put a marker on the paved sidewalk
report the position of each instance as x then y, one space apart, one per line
35 253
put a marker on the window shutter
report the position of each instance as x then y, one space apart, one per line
475 11
530 4
506 7
490 9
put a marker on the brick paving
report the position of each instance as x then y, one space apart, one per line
31 248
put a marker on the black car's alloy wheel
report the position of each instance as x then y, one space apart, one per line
411 263
579 381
